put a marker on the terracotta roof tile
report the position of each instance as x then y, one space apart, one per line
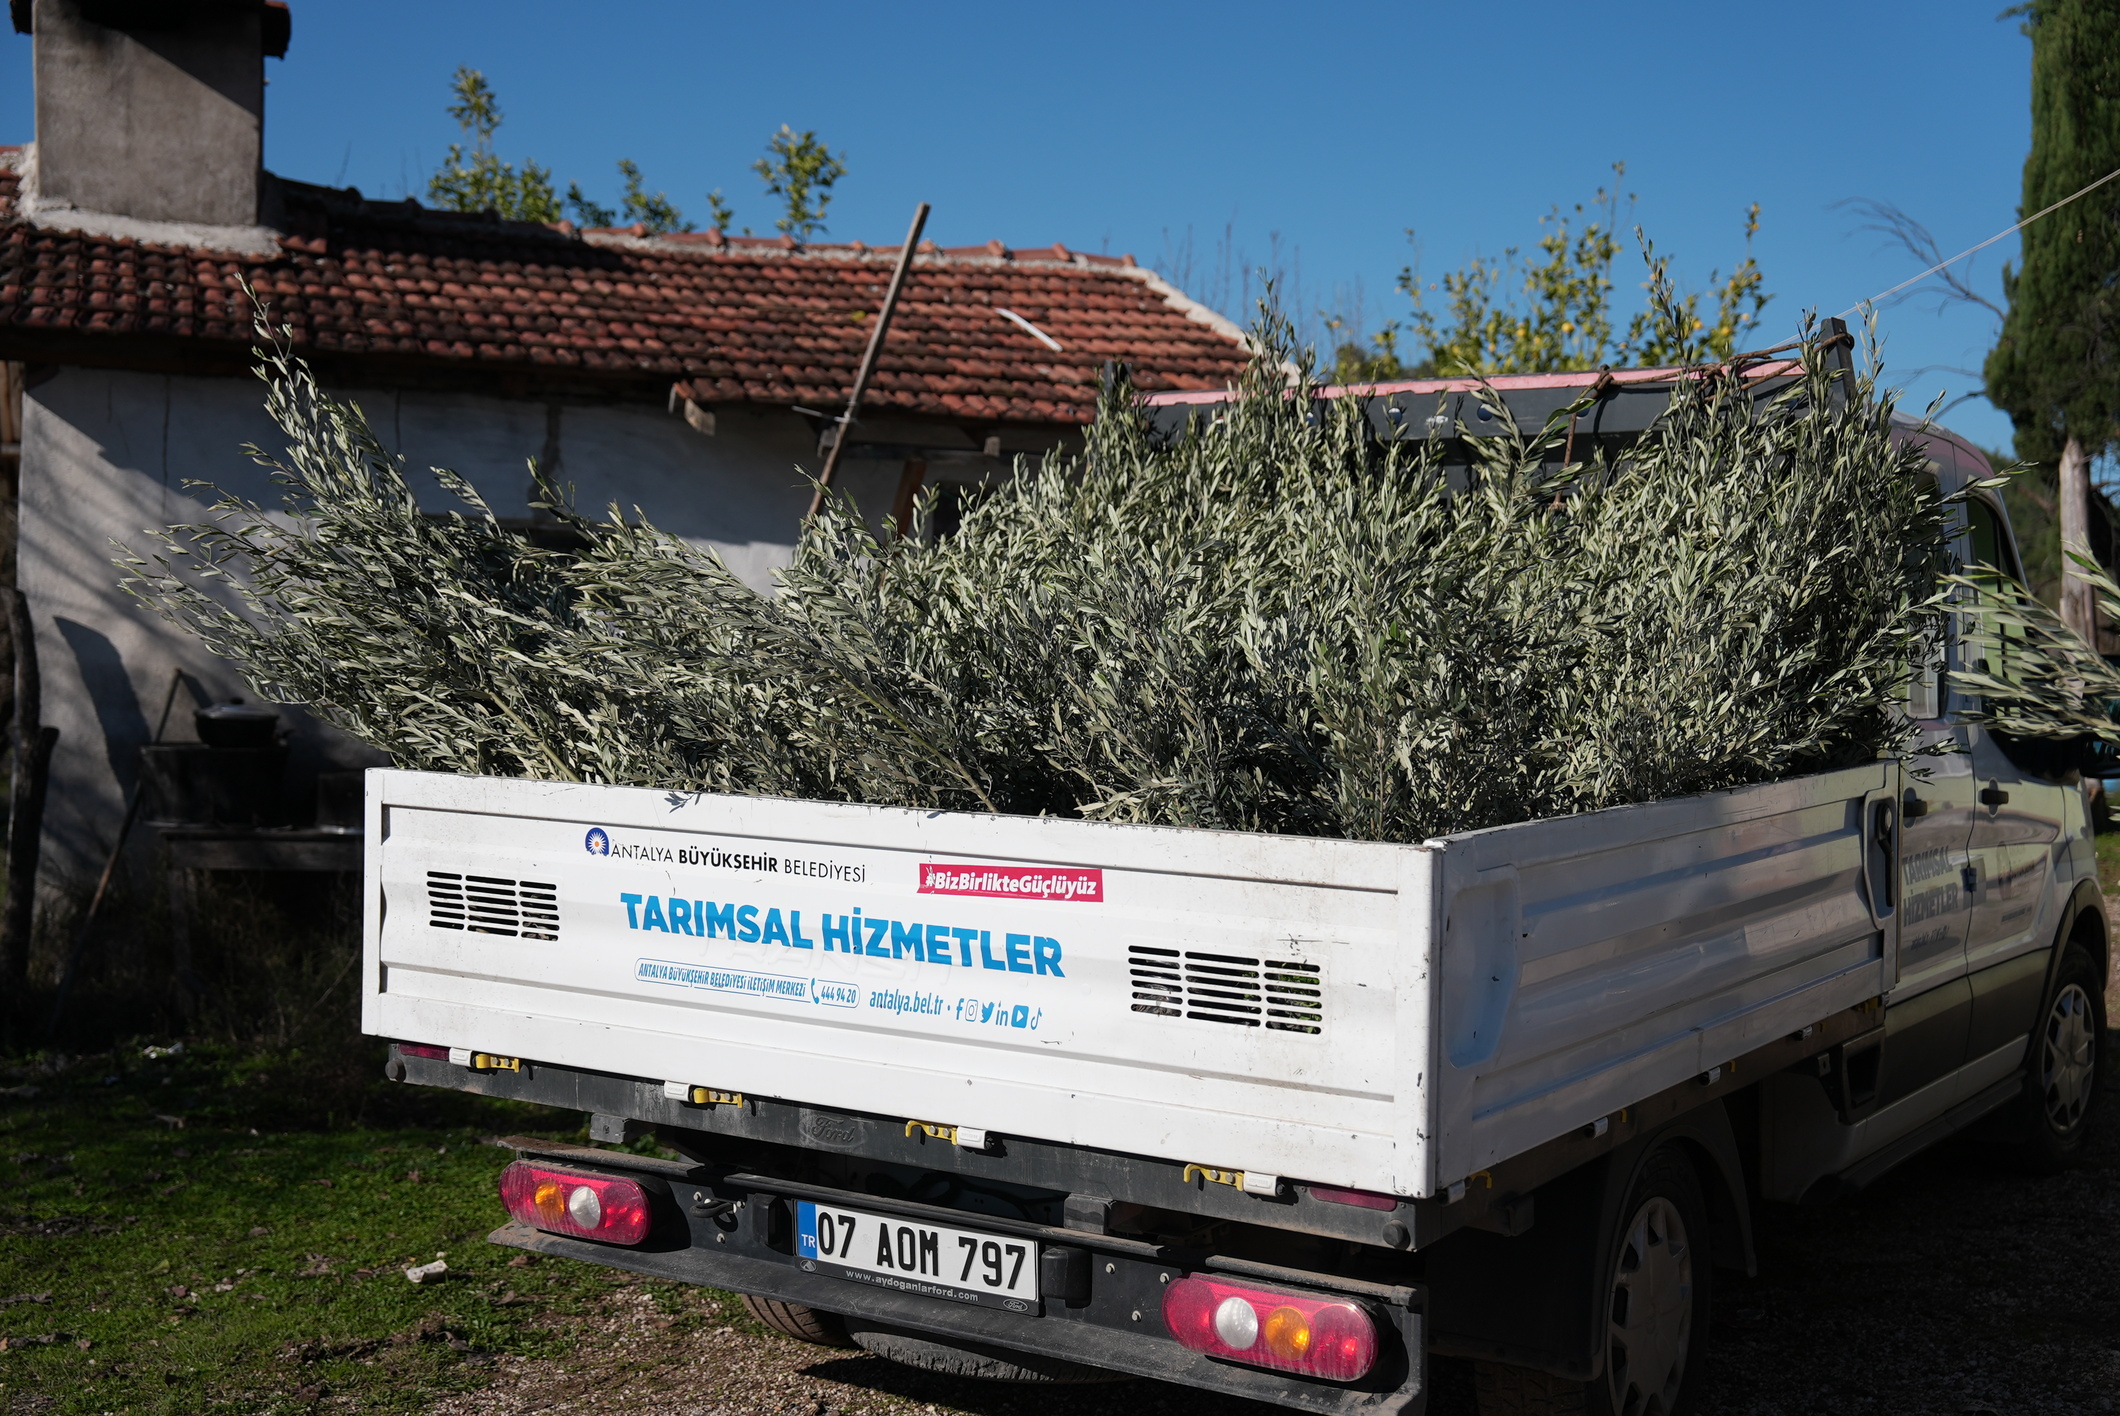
744 319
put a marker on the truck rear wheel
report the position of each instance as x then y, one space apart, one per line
796 1321
2061 1085
1655 1311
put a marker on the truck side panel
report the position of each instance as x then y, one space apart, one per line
1589 961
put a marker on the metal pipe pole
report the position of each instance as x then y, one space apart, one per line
868 359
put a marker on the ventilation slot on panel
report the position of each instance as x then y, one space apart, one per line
1159 981
485 904
1223 988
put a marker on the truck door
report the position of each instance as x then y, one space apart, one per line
2017 826
1928 1010
1926 1016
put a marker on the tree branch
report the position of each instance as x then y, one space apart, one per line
1903 231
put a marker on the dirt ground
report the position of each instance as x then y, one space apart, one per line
1955 1286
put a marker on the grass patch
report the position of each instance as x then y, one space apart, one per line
245 1260
2108 844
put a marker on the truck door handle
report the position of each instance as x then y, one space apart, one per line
1913 806
1882 824
1992 795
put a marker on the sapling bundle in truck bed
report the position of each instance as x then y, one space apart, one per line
1273 623
1315 878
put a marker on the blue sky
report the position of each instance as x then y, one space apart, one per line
1271 133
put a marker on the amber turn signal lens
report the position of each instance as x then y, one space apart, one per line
1287 1334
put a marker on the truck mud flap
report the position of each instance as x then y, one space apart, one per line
1850 1073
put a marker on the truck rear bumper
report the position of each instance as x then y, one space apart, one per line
1115 1323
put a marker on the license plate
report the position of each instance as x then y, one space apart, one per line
960 1265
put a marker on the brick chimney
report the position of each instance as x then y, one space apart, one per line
152 110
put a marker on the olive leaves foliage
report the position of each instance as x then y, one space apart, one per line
1274 623
2035 677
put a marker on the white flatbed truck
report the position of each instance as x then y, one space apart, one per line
1272 1116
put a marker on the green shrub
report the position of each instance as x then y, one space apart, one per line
1274 624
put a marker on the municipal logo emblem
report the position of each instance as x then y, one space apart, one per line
596 842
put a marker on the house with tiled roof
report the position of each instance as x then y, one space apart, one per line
693 376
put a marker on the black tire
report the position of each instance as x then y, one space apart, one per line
2060 1098
976 1359
1656 1315
796 1321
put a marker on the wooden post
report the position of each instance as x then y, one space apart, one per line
2078 608
84 931
33 743
183 899
869 357
908 490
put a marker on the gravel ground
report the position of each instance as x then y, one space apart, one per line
624 1363
1955 1285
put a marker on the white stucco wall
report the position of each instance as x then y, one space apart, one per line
106 454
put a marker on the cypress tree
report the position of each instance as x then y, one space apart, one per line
2056 367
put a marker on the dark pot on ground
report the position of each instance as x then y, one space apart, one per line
236 724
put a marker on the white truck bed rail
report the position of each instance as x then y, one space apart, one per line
1253 1003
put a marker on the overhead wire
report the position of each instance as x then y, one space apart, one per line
2006 231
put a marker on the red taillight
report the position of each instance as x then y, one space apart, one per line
602 1207
1326 1338
421 1049
1367 1199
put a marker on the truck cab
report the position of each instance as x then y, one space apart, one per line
1997 878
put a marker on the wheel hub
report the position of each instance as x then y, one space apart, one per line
2068 1058
1651 1319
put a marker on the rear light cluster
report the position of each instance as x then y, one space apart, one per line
601 1207
1326 1338
421 1049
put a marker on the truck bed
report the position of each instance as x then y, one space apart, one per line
1384 1017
